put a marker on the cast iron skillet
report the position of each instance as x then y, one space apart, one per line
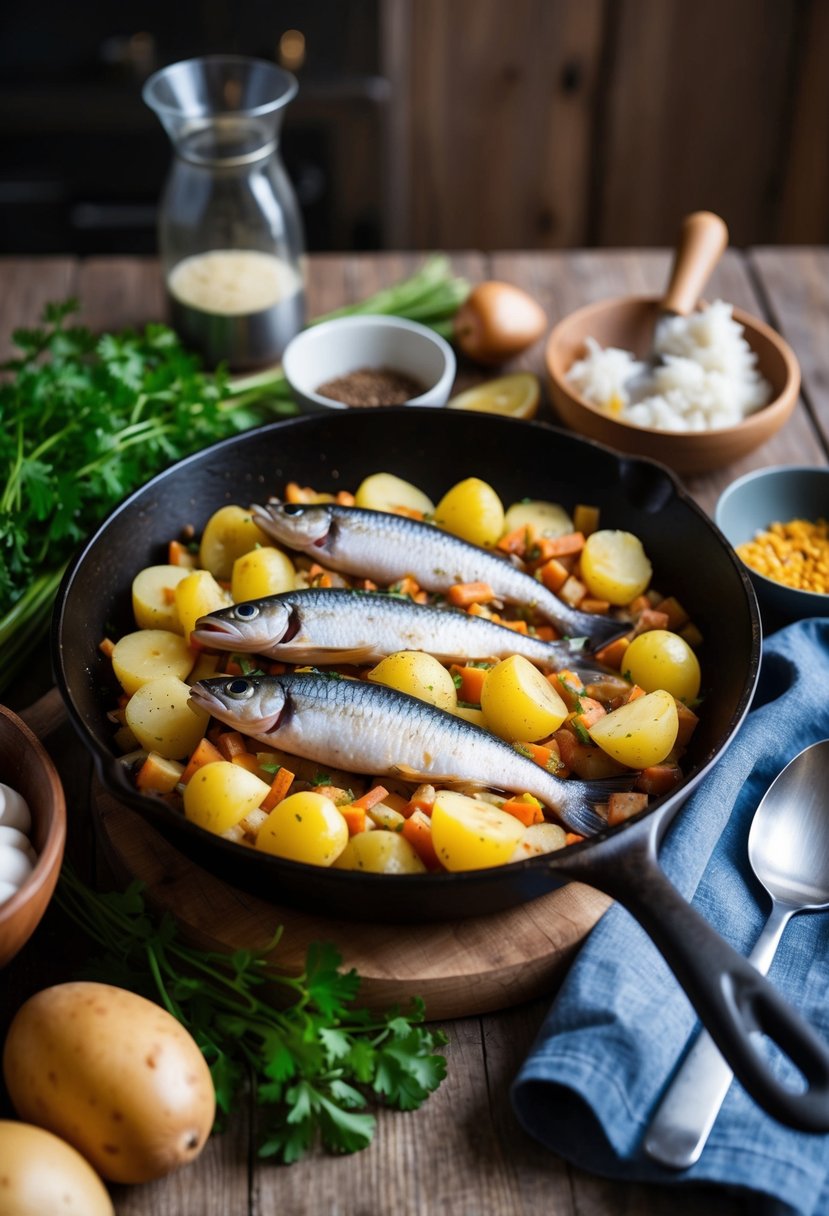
434 449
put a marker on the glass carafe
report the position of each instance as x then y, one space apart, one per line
230 232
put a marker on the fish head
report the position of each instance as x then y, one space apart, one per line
253 706
299 525
251 626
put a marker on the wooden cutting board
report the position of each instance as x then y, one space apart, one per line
459 968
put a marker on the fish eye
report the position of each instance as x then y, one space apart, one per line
293 508
239 689
246 612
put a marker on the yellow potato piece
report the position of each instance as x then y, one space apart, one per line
229 533
380 852
153 603
539 838
473 511
640 733
614 566
197 595
418 674
385 492
304 827
470 834
263 571
163 721
518 703
548 518
220 795
470 714
661 659
148 654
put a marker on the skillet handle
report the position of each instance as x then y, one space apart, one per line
732 999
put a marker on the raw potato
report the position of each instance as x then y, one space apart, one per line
640 733
153 597
148 654
113 1074
263 571
163 721
470 714
548 518
385 492
473 511
661 659
42 1175
380 852
614 566
220 795
470 834
418 674
197 595
229 533
518 703
304 827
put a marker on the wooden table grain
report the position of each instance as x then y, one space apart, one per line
463 1152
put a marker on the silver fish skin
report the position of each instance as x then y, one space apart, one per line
368 728
337 625
386 547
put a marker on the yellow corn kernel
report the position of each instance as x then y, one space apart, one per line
794 553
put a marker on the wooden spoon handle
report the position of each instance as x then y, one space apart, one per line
46 715
702 241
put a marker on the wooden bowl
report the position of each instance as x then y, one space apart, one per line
26 767
628 322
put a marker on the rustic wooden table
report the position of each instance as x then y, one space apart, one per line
463 1152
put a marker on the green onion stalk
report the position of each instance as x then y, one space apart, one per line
86 419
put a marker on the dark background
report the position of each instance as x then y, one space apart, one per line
437 123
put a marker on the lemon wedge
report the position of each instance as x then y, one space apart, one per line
515 396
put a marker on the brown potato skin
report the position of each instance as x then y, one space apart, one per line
113 1074
41 1174
497 321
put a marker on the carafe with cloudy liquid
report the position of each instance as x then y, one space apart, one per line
230 232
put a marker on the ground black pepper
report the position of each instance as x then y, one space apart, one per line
372 386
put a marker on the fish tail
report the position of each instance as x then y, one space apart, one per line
578 810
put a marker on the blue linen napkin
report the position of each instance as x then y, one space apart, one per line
620 1023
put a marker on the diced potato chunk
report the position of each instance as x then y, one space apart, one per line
150 653
263 571
380 852
153 597
473 511
518 703
220 795
229 533
197 595
539 838
469 834
385 492
547 518
418 674
304 827
614 566
640 733
162 720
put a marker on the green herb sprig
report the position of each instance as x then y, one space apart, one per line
316 1060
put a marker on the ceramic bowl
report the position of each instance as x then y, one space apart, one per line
345 344
628 323
771 495
27 768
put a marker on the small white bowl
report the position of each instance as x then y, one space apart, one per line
346 344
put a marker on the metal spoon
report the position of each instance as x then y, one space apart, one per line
788 848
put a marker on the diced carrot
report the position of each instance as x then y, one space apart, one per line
589 712
573 591
564 546
371 797
687 724
635 693
409 512
651 618
546 633
585 519
168 595
106 647
639 604
367 584
546 755
294 492
345 498
591 604
277 669
658 779
482 610
409 586
179 555
231 743
159 774
621 805
692 635
519 540
417 829
554 575
336 793
464 594
246 760
471 682
613 653
677 616
282 782
204 753
355 818
568 685
396 802
527 810
572 838
423 799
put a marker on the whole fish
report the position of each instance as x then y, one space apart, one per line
368 728
337 625
386 547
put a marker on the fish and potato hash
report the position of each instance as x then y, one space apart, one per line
395 686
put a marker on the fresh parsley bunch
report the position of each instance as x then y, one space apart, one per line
315 1061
